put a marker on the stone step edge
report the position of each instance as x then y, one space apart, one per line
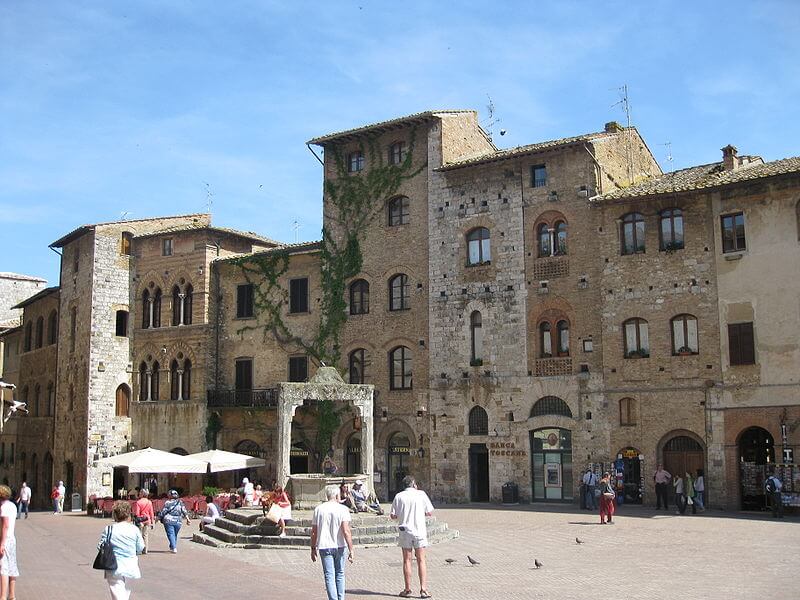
201 538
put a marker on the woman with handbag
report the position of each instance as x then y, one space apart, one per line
172 516
607 496
281 499
125 541
143 516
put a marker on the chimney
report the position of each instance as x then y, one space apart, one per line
613 127
729 159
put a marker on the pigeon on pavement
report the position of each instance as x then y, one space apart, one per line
449 561
578 541
472 561
537 563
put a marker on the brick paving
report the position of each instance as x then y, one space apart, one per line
647 554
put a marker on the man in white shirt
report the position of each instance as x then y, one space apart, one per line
590 481
330 533
62 493
410 507
23 500
8 544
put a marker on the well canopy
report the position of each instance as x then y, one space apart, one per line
150 460
220 460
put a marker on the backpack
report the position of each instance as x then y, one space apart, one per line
770 485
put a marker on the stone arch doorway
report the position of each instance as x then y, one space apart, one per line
551 464
632 475
399 452
352 456
683 454
123 401
756 453
249 448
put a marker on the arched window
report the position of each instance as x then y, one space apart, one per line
550 405
543 240
400 368
637 342
144 383
188 298
562 330
51 400
684 335
627 411
399 297
478 421
399 211
671 229
479 250
37 396
545 340
28 339
476 337
561 238
155 315
356 360
186 388
154 381
123 401
633 234
174 387
52 327
359 297
177 305
146 308
40 332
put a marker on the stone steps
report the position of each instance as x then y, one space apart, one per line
244 528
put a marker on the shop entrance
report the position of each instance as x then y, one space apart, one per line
683 454
756 453
478 473
298 459
551 464
632 469
399 452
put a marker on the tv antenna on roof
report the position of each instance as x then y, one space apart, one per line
669 153
124 215
492 120
296 229
624 102
209 197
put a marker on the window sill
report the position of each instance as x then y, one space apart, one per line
358 314
399 310
636 357
298 314
250 318
734 255
480 264
408 389
639 253
752 364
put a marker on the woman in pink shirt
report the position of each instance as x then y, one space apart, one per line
143 516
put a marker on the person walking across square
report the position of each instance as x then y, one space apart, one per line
23 500
8 544
607 497
409 508
143 516
699 490
662 479
172 516
330 535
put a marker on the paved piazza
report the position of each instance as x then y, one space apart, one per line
647 554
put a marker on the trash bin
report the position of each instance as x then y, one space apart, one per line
510 493
77 504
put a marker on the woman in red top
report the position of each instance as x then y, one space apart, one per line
607 496
143 516
281 498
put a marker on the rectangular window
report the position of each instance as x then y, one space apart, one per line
122 323
298 295
125 243
733 238
298 368
741 344
244 374
538 176
244 301
166 247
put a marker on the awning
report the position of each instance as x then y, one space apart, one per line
151 460
220 460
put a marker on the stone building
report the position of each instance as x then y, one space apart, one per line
14 288
522 314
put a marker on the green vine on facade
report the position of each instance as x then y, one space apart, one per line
352 203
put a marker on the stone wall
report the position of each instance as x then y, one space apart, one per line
15 288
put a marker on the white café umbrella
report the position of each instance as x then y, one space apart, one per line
220 460
150 460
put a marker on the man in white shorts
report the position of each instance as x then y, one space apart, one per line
410 507
8 544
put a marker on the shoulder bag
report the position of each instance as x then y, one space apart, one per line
106 560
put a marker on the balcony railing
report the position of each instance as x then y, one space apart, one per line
265 397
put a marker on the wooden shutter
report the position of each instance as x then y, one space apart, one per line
741 344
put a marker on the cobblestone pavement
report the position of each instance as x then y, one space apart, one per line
647 554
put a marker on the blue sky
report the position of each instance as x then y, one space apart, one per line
113 107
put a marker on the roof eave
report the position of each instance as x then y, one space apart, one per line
509 156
